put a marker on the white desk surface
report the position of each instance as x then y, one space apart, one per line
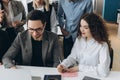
41 71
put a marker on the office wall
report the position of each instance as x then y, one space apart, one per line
110 10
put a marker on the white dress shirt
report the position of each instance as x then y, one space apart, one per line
91 56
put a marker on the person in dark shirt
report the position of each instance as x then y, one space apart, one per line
35 46
4 39
4 44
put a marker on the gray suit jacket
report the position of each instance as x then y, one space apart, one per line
22 46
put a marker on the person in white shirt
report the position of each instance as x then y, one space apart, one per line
90 53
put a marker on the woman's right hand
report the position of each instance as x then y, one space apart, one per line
61 68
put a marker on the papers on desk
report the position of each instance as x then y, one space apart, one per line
18 17
74 74
14 74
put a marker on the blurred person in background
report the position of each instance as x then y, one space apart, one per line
49 11
14 24
68 15
4 39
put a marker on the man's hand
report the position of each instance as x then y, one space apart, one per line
13 67
64 32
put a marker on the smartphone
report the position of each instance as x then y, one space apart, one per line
36 78
90 78
52 77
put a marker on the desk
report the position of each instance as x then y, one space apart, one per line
41 71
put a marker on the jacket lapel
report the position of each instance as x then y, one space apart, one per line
27 56
45 45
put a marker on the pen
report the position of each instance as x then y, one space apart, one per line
59 60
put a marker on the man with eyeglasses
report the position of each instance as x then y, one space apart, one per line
35 46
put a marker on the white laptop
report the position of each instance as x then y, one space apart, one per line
14 74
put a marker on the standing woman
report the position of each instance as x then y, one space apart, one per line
11 9
49 11
90 49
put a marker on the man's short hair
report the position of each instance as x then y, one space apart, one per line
36 15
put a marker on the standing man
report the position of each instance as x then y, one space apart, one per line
4 39
73 10
35 46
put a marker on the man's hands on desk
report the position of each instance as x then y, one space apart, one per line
13 67
63 69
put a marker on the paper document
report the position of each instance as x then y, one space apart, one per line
18 17
74 74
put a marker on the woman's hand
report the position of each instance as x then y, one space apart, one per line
61 68
15 24
73 69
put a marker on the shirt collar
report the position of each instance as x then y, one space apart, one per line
89 42
41 9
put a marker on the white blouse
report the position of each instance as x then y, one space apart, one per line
91 56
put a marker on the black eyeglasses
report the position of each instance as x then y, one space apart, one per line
37 29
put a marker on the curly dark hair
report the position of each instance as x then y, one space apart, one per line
97 27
